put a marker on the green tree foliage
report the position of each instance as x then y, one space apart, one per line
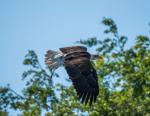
124 82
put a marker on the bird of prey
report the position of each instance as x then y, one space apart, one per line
77 62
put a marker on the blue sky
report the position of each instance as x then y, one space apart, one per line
49 24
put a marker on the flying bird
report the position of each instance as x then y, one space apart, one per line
77 62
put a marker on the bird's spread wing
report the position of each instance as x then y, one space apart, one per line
81 72
84 79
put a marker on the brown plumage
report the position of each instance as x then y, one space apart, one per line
81 72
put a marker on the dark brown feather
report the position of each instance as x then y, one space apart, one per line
81 72
72 49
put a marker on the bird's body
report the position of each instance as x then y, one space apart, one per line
76 61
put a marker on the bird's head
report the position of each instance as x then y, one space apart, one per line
95 57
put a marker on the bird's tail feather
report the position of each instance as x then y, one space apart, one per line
53 59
